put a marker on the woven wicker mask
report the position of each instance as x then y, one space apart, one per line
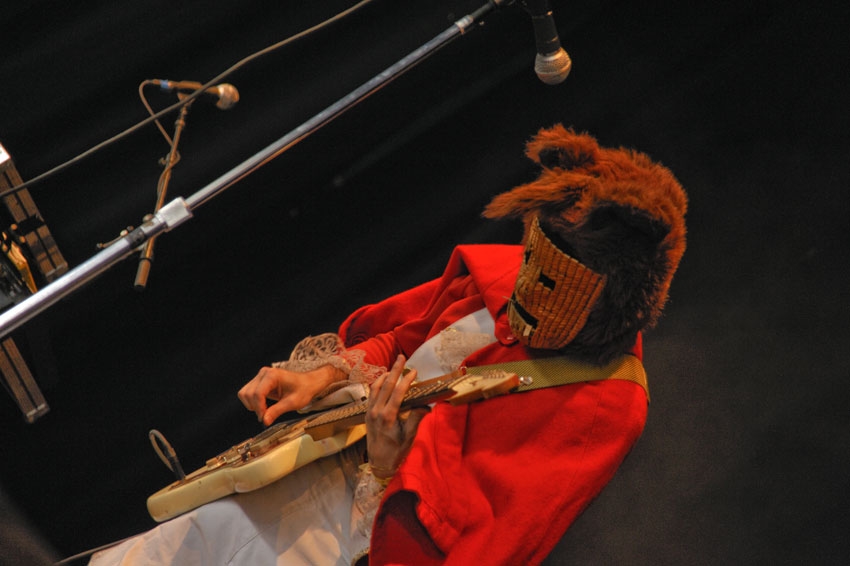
553 295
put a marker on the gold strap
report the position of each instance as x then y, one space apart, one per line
550 372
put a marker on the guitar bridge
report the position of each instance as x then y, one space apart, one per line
257 446
244 451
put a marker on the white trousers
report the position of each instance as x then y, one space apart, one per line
309 518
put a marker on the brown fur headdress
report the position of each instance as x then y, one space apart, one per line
617 212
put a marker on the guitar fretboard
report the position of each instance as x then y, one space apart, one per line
419 394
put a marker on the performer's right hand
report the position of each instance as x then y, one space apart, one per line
291 390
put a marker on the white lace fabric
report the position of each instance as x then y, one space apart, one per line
367 497
455 345
314 352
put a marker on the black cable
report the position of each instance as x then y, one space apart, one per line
91 551
168 456
212 82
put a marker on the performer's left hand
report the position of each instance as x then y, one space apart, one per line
388 437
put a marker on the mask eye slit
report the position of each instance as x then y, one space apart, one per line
546 281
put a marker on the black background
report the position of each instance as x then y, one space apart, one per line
745 456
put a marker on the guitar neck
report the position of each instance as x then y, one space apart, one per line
328 423
420 394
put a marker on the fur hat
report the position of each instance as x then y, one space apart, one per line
615 211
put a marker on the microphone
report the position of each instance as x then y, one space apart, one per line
552 64
226 94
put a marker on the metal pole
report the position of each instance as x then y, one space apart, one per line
180 210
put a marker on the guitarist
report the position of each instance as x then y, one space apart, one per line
502 479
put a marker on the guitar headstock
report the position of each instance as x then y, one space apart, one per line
474 387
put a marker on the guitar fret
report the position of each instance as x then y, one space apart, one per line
338 414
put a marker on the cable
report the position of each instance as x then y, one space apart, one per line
166 453
152 114
91 551
168 456
212 82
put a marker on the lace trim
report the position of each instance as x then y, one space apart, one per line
454 346
314 352
367 498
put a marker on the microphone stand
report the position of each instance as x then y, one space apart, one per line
146 256
179 210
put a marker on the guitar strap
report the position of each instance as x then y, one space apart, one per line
551 372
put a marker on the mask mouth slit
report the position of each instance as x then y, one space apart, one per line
523 314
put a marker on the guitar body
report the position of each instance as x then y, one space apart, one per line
231 472
283 448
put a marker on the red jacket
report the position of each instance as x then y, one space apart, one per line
501 480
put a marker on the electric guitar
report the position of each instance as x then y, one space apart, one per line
285 447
